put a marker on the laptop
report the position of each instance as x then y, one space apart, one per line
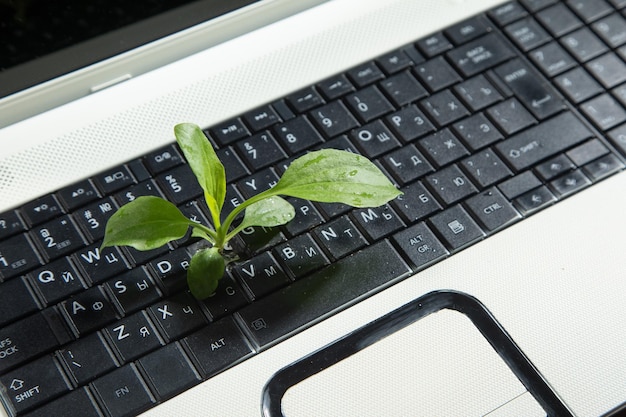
493 286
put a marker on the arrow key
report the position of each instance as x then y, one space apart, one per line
535 199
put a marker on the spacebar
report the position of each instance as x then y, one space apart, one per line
313 298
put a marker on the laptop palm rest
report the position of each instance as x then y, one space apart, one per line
387 368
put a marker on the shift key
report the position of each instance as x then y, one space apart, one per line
544 140
312 298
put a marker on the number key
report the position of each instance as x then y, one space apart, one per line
333 119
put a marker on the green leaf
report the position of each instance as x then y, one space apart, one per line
269 212
334 176
206 268
146 223
205 165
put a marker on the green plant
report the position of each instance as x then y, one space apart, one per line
327 175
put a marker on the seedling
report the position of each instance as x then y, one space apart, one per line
328 175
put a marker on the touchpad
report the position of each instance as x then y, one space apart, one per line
423 360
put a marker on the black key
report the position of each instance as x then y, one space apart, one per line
604 111
444 108
30 337
34 384
378 222
468 29
16 300
416 203
145 188
547 139
333 119
587 152
58 237
179 184
123 392
485 168
527 34
282 110
578 85
618 138
407 164
133 290
257 239
603 167
305 99
218 346
257 182
552 59
609 69
93 218
456 227
443 147
374 139
477 131
98 265
541 99
261 274
477 93
450 184
611 29
178 316
17 256
570 183
365 74
235 169
229 131
78 194
176 377
332 210
409 123
261 118
590 10
480 55
89 311
507 13
41 210
76 403
140 257
163 159
510 116
554 167
344 282
434 44
368 104
559 19
171 270
492 210
403 89
534 200
584 44
260 151
335 87
519 184
139 170
339 237
307 217
133 336
419 244
394 61
297 135
114 180
437 74
301 255
56 281
228 297
87 358
10 224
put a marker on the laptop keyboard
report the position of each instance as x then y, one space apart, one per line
480 125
